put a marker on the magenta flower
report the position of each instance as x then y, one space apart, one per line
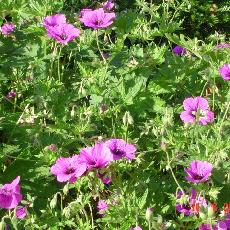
189 205
221 46
85 10
10 195
104 178
63 33
208 227
68 169
179 50
148 213
97 19
199 171
54 20
225 72
227 221
52 147
108 5
136 228
7 28
221 225
102 206
21 212
196 109
11 94
120 148
97 156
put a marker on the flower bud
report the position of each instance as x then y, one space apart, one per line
66 189
11 94
103 108
66 212
72 112
51 147
163 145
159 219
148 214
127 118
53 202
202 216
211 210
2 225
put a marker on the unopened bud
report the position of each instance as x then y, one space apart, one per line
66 212
2 225
127 118
163 145
148 214
53 202
202 216
72 112
184 199
159 219
66 189
51 147
81 90
211 210
103 108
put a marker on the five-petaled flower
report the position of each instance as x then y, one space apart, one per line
63 33
7 28
221 225
10 194
198 171
196 109
58 29
21 212
96 19
189 205
120 148
102 206
179 50
225 72
68 169
97 156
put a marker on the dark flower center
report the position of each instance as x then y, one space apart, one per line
198 177
92 162
186 206
118 152
70 171
63 36
98 22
